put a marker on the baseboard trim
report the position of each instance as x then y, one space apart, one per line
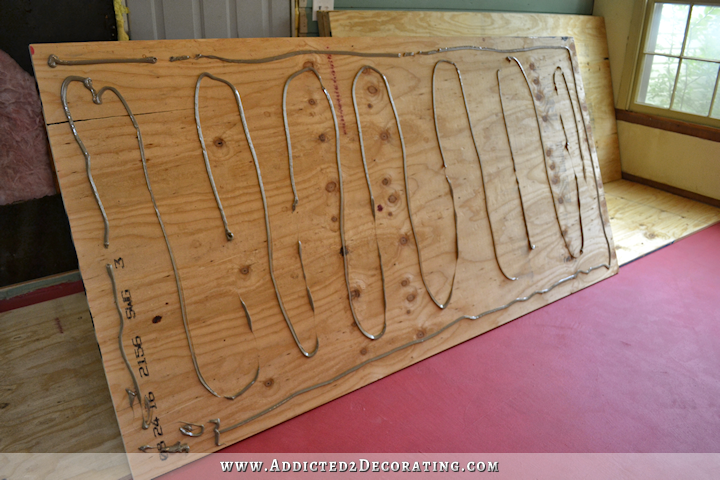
670 189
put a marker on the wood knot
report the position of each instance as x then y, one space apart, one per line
344 251
245 270
536 81
403 240
330 186
312 101
392 199
411 297
369 105
219 142
372 89
354 294
545 118
549 152
363 351
385 136
322 137
334 218
561 200
552 165
420 334
269 382
532 66
157 318
386 181
539 96
405 283
555 179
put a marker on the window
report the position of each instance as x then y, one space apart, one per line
679 62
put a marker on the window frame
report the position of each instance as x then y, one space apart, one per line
635 106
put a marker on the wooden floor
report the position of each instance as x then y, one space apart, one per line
644 219
54 396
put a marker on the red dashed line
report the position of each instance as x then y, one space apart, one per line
337 95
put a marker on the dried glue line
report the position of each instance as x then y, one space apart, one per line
433 52
407 187
97 98
307 288
295 195
342 194
131 394
218 431
577 184
268 231
572 107
544 151
592 162
452 193
274 58
54 61
372 209
484 183
228 234
512 157
87 82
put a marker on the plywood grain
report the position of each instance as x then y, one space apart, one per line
588 32
645 218
216 274
53 394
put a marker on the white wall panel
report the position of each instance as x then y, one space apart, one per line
175 19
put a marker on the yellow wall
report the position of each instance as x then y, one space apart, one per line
681 161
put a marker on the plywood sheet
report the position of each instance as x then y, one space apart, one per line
588 32
564 216
645 218
53 394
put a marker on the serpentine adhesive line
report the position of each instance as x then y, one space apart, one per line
97 99
542 143
572 107
452 192
54 61
342 194
577 183
268 232
372 209
512 157
87 82
136 393
228 234
592 163
482 176
407 183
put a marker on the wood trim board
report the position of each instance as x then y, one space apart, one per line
669 125
587 31
566 219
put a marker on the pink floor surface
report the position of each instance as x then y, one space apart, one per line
631 364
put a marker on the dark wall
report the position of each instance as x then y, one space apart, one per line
35 236
23 22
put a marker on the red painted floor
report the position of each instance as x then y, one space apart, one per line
631 364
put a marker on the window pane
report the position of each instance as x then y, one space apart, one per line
658 78
695 86
704 36
667 29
